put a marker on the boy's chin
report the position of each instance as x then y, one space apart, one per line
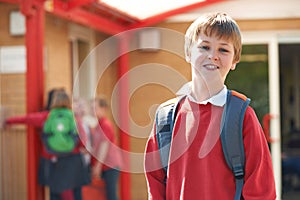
212 84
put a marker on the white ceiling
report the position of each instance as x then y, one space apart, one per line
248 9
143 9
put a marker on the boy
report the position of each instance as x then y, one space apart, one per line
197 168
108 158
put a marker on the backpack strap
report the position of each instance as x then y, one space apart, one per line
165 118
231 133
232 137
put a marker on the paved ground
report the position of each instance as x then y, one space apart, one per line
291 196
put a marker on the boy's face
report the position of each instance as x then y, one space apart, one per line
211 59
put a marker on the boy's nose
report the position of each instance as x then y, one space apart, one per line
213 55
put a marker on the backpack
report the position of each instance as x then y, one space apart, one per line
59 132
231 133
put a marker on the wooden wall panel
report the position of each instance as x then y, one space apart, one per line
13 96
278 24
13 165
5 38
13 181
57 54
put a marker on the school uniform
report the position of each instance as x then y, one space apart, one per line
197 167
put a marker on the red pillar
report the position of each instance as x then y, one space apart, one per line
34 13
124 115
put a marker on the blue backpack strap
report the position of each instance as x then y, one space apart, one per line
165 119
232 137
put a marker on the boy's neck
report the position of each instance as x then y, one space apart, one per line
201 92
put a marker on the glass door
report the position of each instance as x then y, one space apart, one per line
290 118
251 78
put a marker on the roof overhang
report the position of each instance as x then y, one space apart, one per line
114 16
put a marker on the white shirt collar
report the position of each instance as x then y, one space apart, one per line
217 100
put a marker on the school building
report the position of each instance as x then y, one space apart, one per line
134 56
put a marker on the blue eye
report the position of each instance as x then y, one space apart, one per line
204 47
223 50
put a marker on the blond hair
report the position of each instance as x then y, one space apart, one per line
214 24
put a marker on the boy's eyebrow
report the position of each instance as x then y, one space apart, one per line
205 41
222 43
202 41
225 43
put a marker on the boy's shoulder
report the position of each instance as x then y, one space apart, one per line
181 96
169 102
170 105
238 94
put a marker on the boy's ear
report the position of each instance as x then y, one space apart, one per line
233 66
188 59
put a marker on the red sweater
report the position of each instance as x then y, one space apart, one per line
36 119
105 132
198 169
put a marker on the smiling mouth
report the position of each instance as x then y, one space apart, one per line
211 67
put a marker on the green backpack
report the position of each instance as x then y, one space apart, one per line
59 132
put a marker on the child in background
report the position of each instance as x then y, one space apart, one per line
67 171
47 173
105 148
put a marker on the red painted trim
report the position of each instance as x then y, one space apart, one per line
34 13
72 4
90 20
266 126
123 68
103 24
162 16
10 1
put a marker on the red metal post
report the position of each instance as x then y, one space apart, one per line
124 115
34 13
